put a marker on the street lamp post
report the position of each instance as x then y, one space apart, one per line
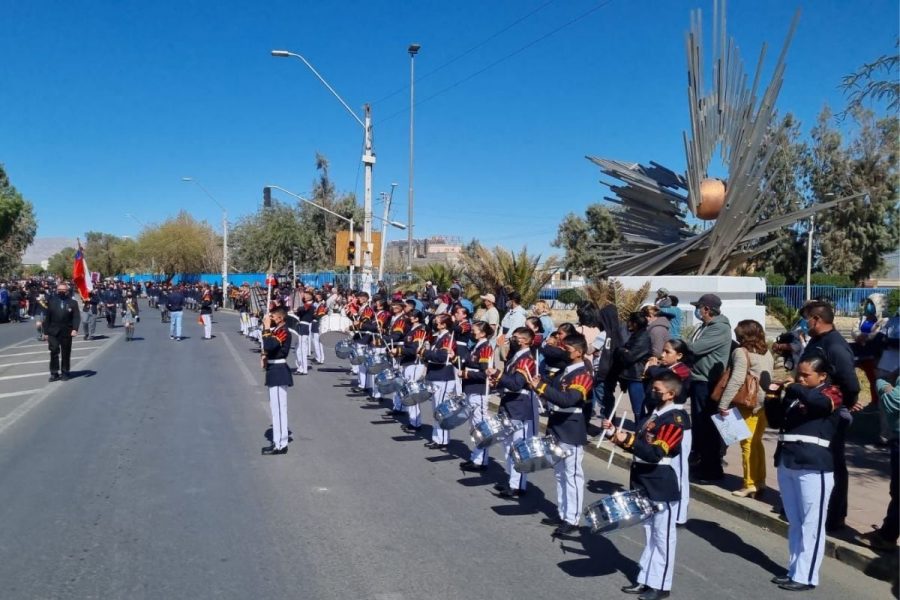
413 50
319 206
368 160
224 235
386 198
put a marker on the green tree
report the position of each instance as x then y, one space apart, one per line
492 269
18 225
877 80
180 245
587 239
853 236
440 274
268 236
60 264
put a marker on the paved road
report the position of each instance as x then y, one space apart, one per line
145 481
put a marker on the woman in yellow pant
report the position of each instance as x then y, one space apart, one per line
752 355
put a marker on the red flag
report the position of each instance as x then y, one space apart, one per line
81 275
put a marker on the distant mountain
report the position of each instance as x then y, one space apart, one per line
43 248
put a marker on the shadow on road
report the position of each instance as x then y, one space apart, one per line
599 556
728 542
85 373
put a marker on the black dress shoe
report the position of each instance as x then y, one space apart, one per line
282 451
508 493
270 449
410 429
552 521
652 594
64 376
637 588
781 580
500 487
53 377
472 467
793 586
430 445
565 529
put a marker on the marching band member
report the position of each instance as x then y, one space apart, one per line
377 345
568 400
397 328
365 326
410 360
130 316
474 386
321 309
305 312
655 445
276 346
807 423
517 402
439 371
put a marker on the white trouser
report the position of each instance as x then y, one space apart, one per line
570 484
517 481
370 377
658 558
805 494
254 328
207 326
302 352
318 348
411 373
245 323
361 372
680 464
278 404
441 389
535 407
479 404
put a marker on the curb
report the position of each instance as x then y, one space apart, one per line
866 560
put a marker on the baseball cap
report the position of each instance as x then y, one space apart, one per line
709 300
489 298
662 292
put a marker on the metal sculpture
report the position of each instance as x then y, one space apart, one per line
654 201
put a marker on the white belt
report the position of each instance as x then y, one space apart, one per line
568 409
277 361
809 439
666 460
305 322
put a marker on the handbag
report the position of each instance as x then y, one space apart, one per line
746 395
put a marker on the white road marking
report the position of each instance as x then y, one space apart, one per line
74 349
20 393
33 362
41 374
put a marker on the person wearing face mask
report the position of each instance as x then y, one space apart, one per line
61 323
710 346
276 347
568 402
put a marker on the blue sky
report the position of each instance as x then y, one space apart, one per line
105 104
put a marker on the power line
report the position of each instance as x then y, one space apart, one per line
502 59
467 52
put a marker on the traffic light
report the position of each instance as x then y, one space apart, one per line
351 252
267 197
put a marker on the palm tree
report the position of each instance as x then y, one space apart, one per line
605 291
492 269
440 274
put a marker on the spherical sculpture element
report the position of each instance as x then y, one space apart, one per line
712 198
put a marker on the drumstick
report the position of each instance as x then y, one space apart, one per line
613 453
615 406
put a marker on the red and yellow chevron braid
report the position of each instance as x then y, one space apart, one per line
668 437
581 382
321 310
399 326
485 354
419 335
526 366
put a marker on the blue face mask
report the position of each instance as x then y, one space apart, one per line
803 325
697 314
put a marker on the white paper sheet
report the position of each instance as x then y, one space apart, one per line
732 427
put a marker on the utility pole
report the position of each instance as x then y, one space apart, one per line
413 50
369 161
386 198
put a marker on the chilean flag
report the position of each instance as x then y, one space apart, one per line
81 275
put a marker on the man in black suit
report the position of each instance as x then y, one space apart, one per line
61 323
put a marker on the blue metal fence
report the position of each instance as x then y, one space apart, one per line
846 301
316 279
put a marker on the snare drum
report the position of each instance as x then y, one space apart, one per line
344 348
493 429
453 411
376 362
388 380
537 453
415 392
334 322
620 510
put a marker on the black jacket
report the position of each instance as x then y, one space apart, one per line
567 396
837 353
810 414
276 346
610 324
175 302
516 399
633 355
62 316
476 363
655 445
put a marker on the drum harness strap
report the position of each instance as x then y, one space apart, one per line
568 409
666 460
277 361
809 439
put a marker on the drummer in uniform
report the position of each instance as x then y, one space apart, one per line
516 402
397 329
474 386
319 311
440 373
567 396
305 312
365 327
410 354
276 347
382 323
655 445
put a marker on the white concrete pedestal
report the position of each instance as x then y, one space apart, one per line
738 294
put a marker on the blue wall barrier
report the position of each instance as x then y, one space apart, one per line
846 301
317 279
